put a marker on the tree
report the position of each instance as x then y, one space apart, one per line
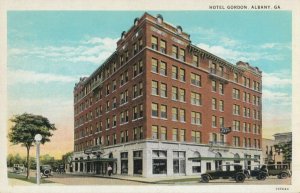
25 127
286 149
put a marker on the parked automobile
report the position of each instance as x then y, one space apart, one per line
280 170
234 171
46 170
18 168
261 172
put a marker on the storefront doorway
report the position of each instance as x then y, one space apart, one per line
218 162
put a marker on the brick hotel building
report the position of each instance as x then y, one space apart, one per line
160 106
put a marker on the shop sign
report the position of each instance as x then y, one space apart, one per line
225 130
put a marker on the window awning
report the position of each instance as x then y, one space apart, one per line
220 158
97 160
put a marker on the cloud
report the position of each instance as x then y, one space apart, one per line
274 45
24 77
277 80
94 50
234 55
277 98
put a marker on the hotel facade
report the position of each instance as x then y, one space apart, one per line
161 106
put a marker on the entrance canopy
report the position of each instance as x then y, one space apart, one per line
97 160
220 158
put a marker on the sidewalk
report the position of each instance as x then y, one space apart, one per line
152 180
17 182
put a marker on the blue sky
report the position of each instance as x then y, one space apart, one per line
49 50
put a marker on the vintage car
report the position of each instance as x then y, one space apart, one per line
226 171
45 170
18 168
280 170
261 172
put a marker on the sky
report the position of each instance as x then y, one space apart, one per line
48 51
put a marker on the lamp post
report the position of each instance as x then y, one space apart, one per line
38 138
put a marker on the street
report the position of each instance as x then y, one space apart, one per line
71 179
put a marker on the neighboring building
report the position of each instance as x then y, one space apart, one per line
156 107
270 155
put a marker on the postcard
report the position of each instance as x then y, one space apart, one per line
160 96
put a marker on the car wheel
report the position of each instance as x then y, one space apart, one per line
262 176
283 175
205 178
240 178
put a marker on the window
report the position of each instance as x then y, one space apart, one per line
182 75
107 123
196 136
248 82
174 51
163 90
235 77
195 98
182 135
154 87
114 67
182 115
174 134
141 110
163 111
214 121
114 85
182 95
135 112
213 86
214 104
114 120
244 96
236 141
196 118
135 49
135 91
244 81
154 42
174 114
221 105
135 70
107 140
154 65
107 89
236 125
107 106
140 66
221 121
236 109
248 97
195 79
221 88
182 54
174 72
163 133
159 162
195 61
163 46
140 44
236 93
174 93
154 132
163 68
154 110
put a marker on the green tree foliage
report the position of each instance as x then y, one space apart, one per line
286 149
25 127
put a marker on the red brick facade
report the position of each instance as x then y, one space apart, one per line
143 121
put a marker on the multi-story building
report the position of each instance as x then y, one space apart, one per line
160 105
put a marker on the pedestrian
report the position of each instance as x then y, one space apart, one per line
109 170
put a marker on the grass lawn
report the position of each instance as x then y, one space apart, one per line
22 177
178 180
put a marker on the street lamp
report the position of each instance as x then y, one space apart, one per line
38 138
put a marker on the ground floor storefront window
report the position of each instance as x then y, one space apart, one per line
138 162
124 163
159 162
179 162
196 168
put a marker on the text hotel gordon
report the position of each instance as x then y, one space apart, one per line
252 7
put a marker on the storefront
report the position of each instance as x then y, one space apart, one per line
138 162
159 162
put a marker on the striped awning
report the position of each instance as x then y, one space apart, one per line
96 160
220 158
